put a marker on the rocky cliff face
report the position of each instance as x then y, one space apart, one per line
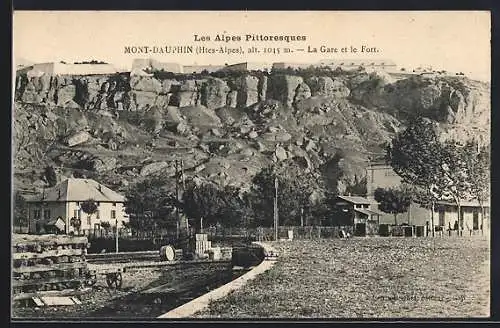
120 128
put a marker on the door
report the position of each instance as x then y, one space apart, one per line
441 218
360 229
475 221
97 228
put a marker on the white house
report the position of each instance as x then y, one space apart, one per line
64 201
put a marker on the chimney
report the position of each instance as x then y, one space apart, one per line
99 188
58 193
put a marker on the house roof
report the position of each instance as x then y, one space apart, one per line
357 200
474 203
368 212
57 221
78 190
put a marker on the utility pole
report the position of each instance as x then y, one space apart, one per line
276 223
183 190
302 216
116 234
177 197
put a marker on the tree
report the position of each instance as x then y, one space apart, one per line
203 203
106 226
393 201
210 204
295 188
456 175
477 163
76 223
358 187
20 214
417 156
89 207
150 203
50 176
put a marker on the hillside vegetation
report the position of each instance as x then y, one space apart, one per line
119 129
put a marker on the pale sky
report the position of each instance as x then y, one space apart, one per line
454 41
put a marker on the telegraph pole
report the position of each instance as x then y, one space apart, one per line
116 237
177 197
276 223
188 232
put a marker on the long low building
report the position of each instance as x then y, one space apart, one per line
473 215
71 69
353 64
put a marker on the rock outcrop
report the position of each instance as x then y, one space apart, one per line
283 88
214 93
248 91
226 129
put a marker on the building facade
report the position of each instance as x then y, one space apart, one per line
285 65
353 64
155 65
71 69
248 66
194 69
360 212
64 201
473 216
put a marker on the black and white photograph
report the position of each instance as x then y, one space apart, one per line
250 165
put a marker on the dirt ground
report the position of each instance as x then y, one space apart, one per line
445 277
128 302
96 299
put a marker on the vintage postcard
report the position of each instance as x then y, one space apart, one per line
250 164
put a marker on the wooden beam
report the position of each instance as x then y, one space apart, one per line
52 253
64 292
31 282
52 267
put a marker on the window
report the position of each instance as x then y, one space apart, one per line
97 215
89 220
75 213
113 214
79 214
114 204
36 214
46 214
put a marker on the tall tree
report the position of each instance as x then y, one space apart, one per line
211 204
478 163
203 203
296 192
50 176
150 202
20 214
456 176
393 201
417 156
